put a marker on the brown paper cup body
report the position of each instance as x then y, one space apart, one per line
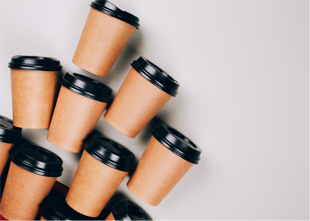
158 171
4 154
93 185
135 104
23 193
33 96
110 217
42 218
101 42
75 116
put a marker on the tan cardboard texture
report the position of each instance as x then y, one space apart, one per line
93 185
33 96
75 116
23 193
4 154
101 42
135 104
110 217
158 171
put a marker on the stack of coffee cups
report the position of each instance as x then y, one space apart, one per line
81 102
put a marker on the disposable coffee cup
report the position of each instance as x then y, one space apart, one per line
58 209
103 166
8 136
32 174
81 102
106 32
146 89
34 84
127 210
167 158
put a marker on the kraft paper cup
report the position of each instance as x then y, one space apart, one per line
81 102
146 89
105 34
8 136
58 209
32 174
127 210
103 166
167 158
34 84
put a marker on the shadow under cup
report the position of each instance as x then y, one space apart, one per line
34 84
105 34
32 174
166 159
103 166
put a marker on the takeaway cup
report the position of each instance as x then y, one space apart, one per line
34 84
80 104
105 34
166 159
58 209
8 136
103 166
32 174
146 89
127 210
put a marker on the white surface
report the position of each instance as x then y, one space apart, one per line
243 70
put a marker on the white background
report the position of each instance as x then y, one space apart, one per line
243 70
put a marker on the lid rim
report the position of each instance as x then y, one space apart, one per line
115 12
161 133
50 165
123 161
37 171
39 63
92 88
156 76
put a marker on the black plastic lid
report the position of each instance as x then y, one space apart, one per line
87 87
127 210
177 143
37 160
110 153
60 210
8 133
156 76
35 63
110 9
